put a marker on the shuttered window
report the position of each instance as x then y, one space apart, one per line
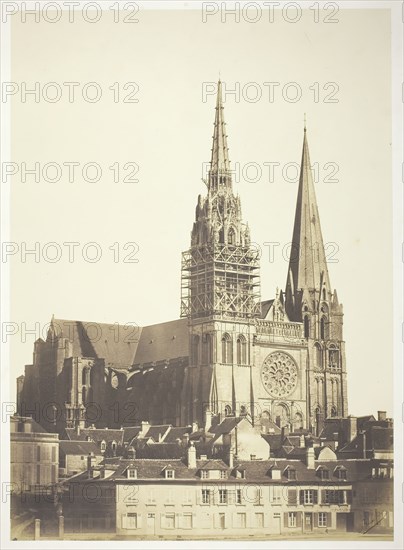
292 497
308 496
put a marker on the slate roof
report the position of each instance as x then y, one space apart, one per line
155 432
274 440
99 340
78 447
265 307
160 450
177 433
35 427
331 427
97 435
163 341
256 471
131 432
377 439
227 425
124 346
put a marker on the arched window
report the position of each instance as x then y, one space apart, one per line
323 328
243 410
306 322
318 356
333 411
207 349
227 410
195 350
84 376
84 395
333 358
324 294
227 349
113 445
231 236
103 446
317 416
241 350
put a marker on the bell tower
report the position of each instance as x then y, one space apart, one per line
220 292
310 300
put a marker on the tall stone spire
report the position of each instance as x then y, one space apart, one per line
219 172
308 270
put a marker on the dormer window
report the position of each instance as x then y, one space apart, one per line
223 474
323 473
131 473
290 473
113 445
340 472
240 474
103 446
204 474
169 474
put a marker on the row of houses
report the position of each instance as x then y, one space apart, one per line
156 480
196 496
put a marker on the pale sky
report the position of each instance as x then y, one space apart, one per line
169 55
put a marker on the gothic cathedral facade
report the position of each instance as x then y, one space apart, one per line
283 359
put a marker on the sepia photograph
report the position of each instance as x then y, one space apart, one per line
202 291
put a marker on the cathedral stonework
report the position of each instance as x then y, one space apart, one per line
279 360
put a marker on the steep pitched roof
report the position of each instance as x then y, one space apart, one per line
227 425
100 340
163 341
131 432
177 433
78 447
19 421
377 439
97 435
265 307
124 346
157 432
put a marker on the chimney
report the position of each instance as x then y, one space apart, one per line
191 456
231 459
77 429
302 441
284 432
90 464
131 454
381 416
352 428
310 458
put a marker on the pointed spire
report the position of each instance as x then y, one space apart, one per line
307 266
220 164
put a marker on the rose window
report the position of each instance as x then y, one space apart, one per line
279 374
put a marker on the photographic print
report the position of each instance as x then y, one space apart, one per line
201 258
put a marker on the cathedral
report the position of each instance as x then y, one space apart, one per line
229 354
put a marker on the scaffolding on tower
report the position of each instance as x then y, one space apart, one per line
220 279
